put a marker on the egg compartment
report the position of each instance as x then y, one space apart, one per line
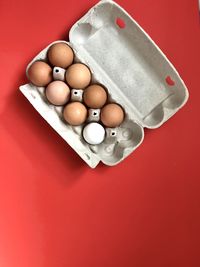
119 142
137 75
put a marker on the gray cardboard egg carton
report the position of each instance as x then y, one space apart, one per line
132 68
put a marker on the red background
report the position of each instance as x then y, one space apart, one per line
57 212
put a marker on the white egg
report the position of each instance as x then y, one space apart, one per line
94 133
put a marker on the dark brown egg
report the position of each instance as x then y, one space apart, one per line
75 113
78 76
112 115
40 73
60 55
95 96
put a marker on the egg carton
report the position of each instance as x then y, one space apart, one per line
136 73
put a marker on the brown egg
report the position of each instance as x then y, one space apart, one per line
60 55
75 113
78 76
95 96
40 73
112 115
57 93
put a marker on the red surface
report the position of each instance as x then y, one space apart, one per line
57 212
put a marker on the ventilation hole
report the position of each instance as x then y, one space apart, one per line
94 113
56 70
169 81
75 93
113 133
120 23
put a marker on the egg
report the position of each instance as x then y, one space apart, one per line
60 55
75 113
40 73
57 93
112 115
94 133
95 96
78 76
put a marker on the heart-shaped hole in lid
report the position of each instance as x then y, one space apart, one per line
120 23
169 81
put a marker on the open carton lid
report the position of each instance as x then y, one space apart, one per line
135 71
